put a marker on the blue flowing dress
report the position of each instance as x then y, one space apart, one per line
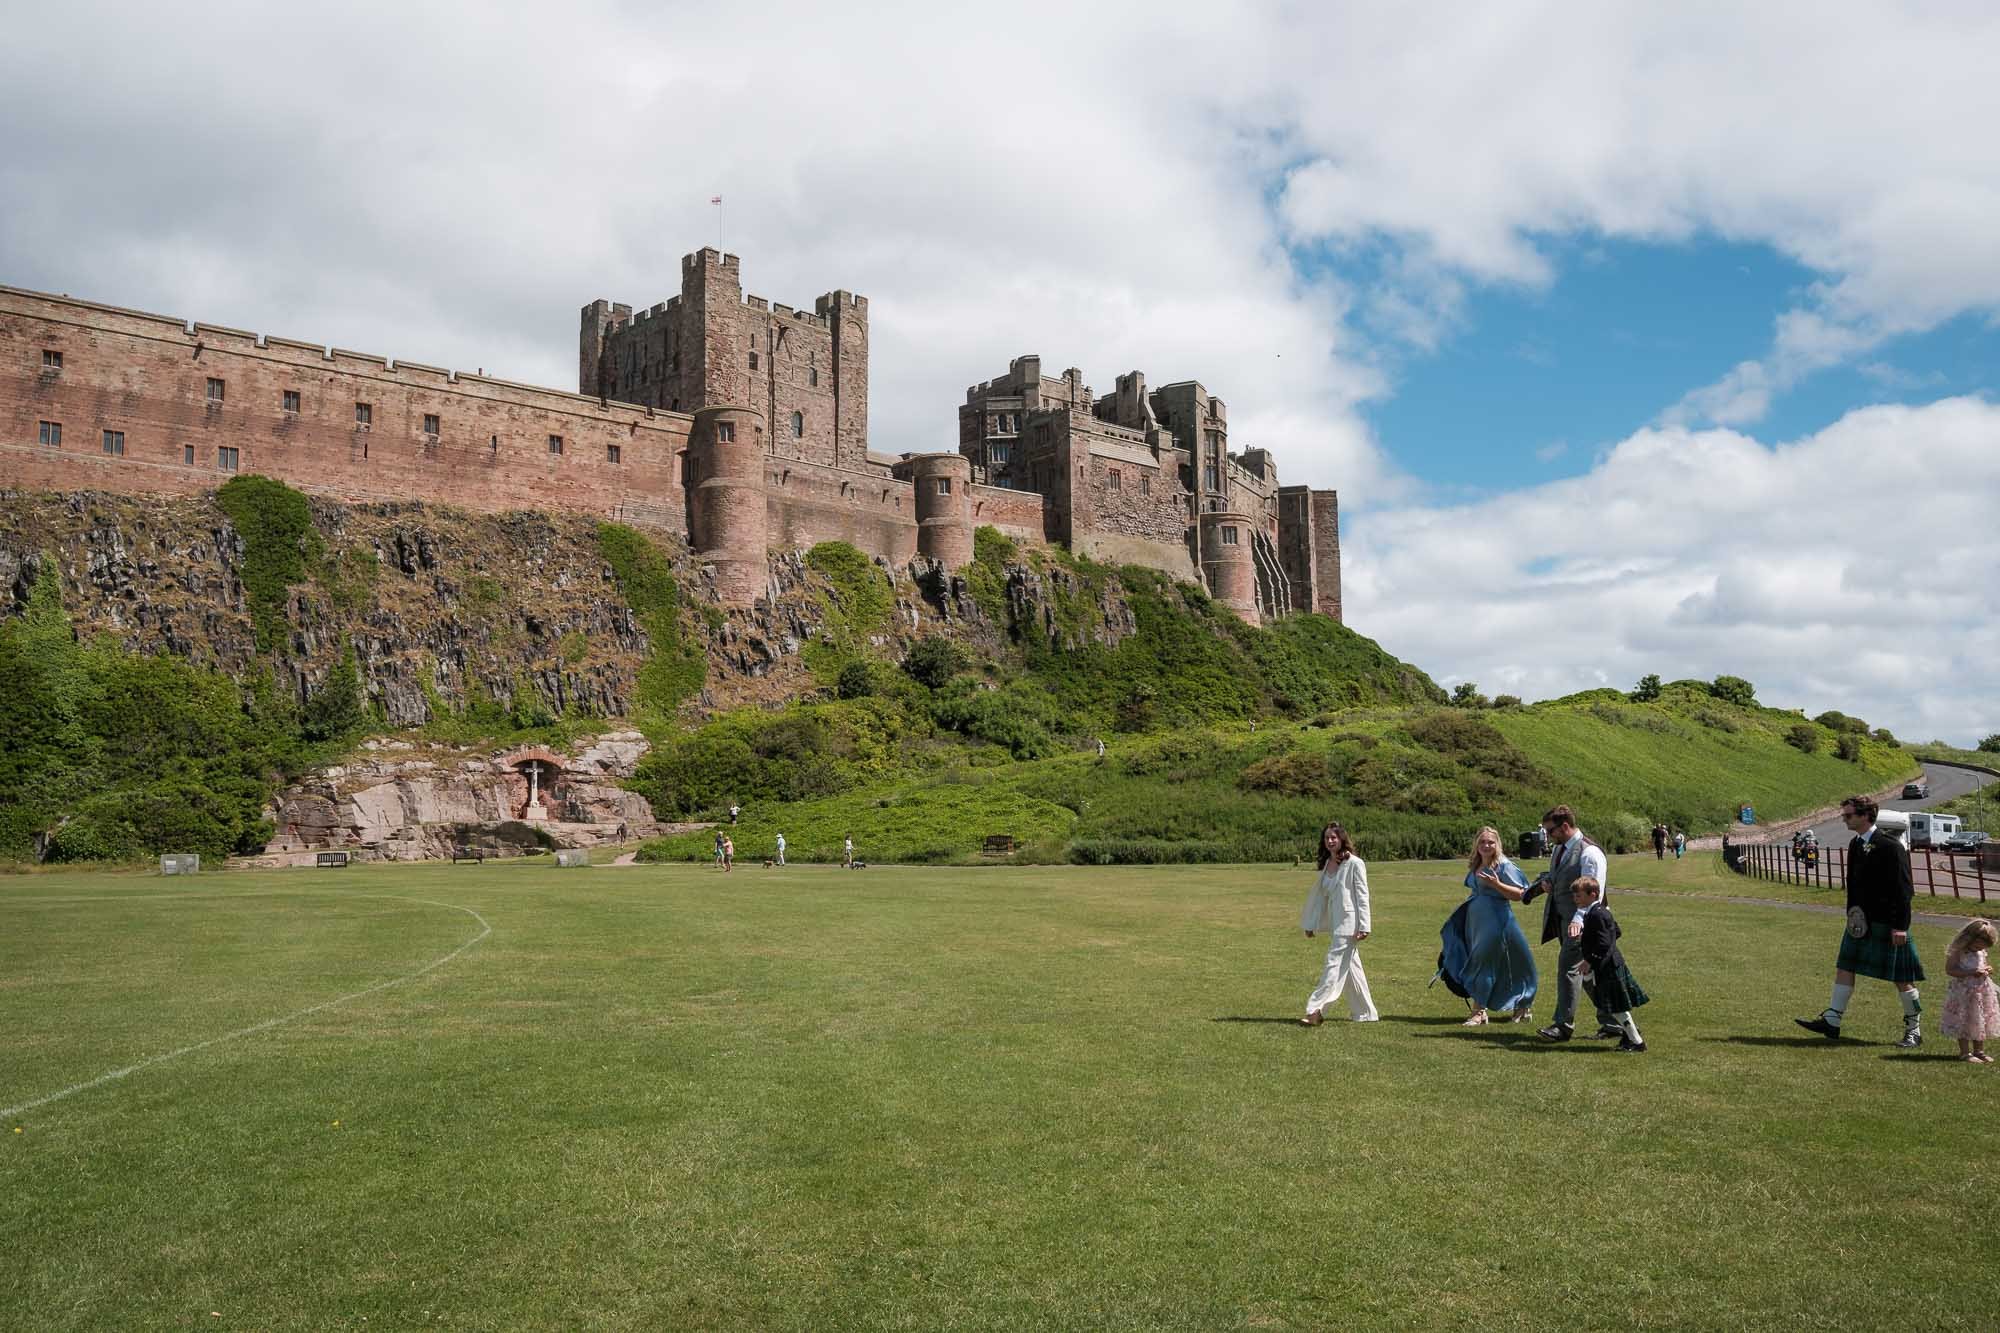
1486 958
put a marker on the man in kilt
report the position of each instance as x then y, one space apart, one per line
1877 941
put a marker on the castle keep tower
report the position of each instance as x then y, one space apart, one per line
1226 562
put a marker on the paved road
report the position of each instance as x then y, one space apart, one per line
1946 781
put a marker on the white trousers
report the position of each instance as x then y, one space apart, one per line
1344 975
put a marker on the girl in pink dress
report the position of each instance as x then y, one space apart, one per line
1971 1005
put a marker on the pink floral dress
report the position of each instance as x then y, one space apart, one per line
1971 1004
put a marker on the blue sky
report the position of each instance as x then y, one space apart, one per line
1532 383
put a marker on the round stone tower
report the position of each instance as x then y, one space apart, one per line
726 500
1226 563
944 510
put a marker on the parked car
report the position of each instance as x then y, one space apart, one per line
1966 841
1916 791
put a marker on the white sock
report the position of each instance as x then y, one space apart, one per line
1631 1028
1911 1007
1837 1005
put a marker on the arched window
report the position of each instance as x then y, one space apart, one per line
798 425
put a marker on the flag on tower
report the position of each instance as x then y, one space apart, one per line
715 199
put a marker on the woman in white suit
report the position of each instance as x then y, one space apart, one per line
1338 905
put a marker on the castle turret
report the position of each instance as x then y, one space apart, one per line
1226 562
593 374
944 510
726 500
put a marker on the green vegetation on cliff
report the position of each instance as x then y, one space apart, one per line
275 523
676 666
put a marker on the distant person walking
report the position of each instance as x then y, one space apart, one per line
1338 906
1971 1006
781 849
728 855
1486 958
734 811
847 853
1680 843
1659 842
718 849
1573 855
1877 941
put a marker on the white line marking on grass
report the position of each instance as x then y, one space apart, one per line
269 1023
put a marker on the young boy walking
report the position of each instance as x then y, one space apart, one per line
1604 963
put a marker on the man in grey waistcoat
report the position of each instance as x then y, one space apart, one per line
1571 856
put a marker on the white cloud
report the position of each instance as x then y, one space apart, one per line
1116 185
1854 569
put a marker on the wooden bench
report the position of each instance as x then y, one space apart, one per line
467 854
999 844
329 859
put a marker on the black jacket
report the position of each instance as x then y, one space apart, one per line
1599 941
1878 880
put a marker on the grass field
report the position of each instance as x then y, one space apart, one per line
918 1098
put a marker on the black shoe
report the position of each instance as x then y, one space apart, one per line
1608 1030
1912 1036
1554 1032
1625 1043
1831 1031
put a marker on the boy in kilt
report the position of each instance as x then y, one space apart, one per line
1877 941
1611 981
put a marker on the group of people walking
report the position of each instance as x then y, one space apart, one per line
1486 958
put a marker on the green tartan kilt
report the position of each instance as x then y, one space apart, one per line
1876 956
1617 992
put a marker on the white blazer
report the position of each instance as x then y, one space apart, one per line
1338 903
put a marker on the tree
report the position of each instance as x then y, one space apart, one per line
1734 690
1803 738
1886 736
1991 745
1466 695
933 661
855 681
335 712
1647 690
1848 747
1506 701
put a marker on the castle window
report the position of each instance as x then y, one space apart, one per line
1228 536
996 454
364 415
725 432
431 424
1211 478
1114 480
51 360
51 434
187 455
225 458
812 376
290 401
753 360
493 445
1145 485
214 391
798 425
555 444
114 443
613 454
944 485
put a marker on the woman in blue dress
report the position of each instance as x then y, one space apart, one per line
1486 958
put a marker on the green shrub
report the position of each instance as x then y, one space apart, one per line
856 681
1734 690
336 711
676 666
1803 738
1297 773
1990 744
1466 695
275 523
1647 690
934 660
1848 747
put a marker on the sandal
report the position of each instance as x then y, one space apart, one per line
1524 1016
1982 1057
1312 1020
1478 1019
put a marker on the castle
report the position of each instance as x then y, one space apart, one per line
737 424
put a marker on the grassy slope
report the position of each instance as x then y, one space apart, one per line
1025 1097
1182 796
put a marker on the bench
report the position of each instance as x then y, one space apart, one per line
330 859
572 856
467 854
999 844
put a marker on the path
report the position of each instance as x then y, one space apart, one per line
1825 909
1947 781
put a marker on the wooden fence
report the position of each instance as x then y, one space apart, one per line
1968 878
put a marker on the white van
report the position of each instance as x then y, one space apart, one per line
1896 822
1930 830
